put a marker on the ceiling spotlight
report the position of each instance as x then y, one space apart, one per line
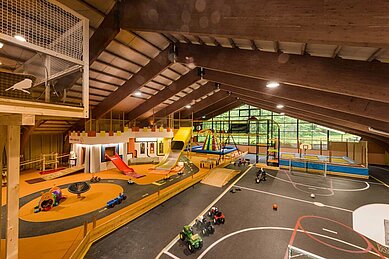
188 106
20 38
138 93
203 117
282 113
280 106
1 45
272 84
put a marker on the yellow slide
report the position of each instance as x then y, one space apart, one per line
179 143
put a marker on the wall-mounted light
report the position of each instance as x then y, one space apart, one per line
138 93
272 84
282 113
20 38
1 45
280 106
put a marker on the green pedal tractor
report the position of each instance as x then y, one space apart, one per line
193 241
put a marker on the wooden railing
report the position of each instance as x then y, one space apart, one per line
132 212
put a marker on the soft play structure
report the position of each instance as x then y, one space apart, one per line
49 199
119 163
178 144
212 145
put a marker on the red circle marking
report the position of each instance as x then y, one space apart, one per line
366 250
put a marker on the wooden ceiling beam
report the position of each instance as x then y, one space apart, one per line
213 107
100 39
359 24
204 103
367 80
229 106
146 74
188 99
314 118
174 88
367 122
288 93
303 109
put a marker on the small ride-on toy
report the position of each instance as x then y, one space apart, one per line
112 203
95 179
205 226
216 216
193 241
261 176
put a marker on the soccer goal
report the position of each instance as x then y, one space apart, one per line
295 252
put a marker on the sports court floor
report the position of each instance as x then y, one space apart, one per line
320 225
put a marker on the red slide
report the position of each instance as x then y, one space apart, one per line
118 162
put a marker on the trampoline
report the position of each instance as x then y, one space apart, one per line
223 151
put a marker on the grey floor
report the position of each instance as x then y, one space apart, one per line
253 229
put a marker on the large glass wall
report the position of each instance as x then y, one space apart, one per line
292 131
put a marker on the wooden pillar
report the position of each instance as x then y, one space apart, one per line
13 163
3 139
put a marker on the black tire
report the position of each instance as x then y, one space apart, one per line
190 248
214 221
222 220
124 197
200 245
204 232
211 229
257 180
182 236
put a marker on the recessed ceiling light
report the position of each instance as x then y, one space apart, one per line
1 45
203 117
138 93
280 106
20 38
272 84
282 113
188 106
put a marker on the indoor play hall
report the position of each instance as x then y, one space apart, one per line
194 129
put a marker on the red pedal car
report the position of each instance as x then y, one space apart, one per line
216 216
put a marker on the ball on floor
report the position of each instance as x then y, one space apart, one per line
313 195
275 206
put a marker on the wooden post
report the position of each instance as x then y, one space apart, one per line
110 122
3 139
94 222
85 228
13 164
43 162
55 160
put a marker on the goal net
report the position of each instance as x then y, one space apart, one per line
295 252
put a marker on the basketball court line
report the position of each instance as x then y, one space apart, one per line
335 178
383 183
171 244
171 255
330 231
279 228
331 189
294 199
